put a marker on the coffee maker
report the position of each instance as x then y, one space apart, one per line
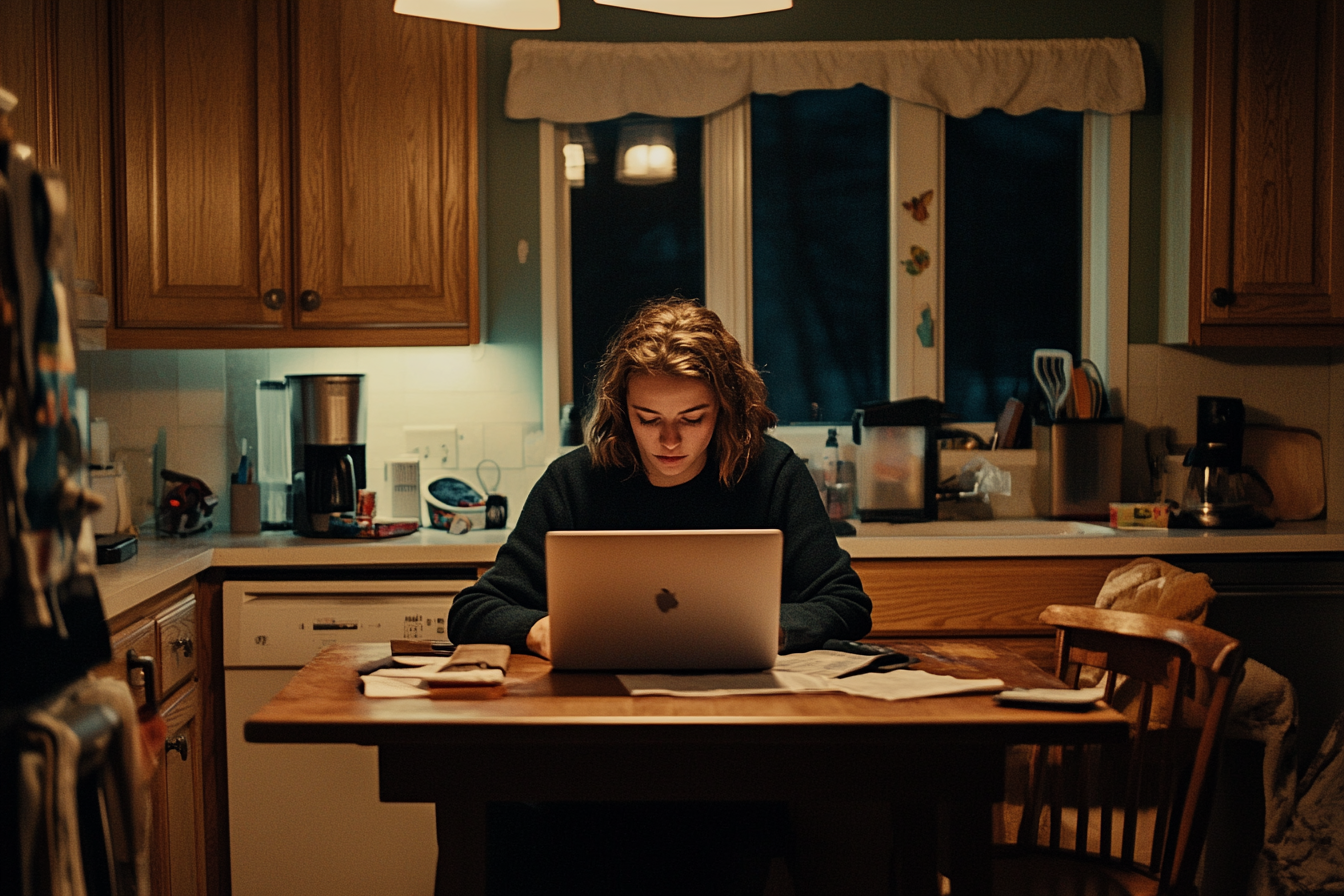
1221 492
327 425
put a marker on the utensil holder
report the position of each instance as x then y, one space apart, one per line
1079 467
244 508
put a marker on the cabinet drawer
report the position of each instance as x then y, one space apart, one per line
176 627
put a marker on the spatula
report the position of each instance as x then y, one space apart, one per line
1082 394
1054 371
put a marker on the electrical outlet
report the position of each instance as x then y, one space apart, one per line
436 446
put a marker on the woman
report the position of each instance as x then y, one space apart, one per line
676 440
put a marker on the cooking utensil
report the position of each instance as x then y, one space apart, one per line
1005 429
1082 395
1098 387
1054 371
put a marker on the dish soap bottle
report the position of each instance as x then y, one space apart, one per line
830 458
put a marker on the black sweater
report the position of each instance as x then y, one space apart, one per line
822 596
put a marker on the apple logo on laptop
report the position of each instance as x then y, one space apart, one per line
666 600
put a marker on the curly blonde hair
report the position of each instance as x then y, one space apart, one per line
679 337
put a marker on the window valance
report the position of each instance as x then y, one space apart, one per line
575 81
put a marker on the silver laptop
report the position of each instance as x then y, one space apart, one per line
699 599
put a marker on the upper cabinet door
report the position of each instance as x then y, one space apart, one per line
54 57
1267 260
202 87
385 112
297 173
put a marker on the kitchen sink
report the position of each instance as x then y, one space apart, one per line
1023 528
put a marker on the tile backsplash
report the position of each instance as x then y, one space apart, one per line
205 401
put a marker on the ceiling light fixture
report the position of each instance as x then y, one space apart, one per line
708 9
518 15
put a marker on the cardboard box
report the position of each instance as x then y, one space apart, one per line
1139 516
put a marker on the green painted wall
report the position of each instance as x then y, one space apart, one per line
510 164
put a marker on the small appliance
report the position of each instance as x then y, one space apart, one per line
327 427
897 460
403 475
1221 492
187 507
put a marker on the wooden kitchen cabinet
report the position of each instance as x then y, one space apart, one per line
54 56
298 173
1267 223
998 599
164 629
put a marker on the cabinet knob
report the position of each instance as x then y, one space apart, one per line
183 644
274 299
310 300
177 745
1222 297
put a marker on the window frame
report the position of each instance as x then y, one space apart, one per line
916 160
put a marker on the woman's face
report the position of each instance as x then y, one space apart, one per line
673 420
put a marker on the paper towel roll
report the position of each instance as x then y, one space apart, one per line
100 452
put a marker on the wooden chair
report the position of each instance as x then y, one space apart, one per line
1126 818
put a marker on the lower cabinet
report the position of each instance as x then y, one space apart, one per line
160 634
982 598
178 811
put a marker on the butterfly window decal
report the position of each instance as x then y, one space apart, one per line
918 206
918 261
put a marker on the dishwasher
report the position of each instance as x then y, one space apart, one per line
306 818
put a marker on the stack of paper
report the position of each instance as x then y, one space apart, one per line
816 671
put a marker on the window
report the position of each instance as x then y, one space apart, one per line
630 243
908 334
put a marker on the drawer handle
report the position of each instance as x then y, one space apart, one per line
177 745
1222 297
273 299
310 300
183 644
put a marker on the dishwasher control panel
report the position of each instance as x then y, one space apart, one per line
286 624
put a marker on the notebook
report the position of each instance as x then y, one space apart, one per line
699 599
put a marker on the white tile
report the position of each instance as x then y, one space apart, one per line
154 370
200 451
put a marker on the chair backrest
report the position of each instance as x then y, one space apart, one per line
1175 680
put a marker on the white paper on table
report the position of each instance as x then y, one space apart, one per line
901 684
905 684
422 666
826 663
724 684
414 680
383 686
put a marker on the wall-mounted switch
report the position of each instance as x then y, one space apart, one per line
436 446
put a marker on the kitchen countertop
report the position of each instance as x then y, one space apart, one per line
164 562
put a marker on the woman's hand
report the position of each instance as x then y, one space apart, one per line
539 637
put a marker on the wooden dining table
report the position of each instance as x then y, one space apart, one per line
565 736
